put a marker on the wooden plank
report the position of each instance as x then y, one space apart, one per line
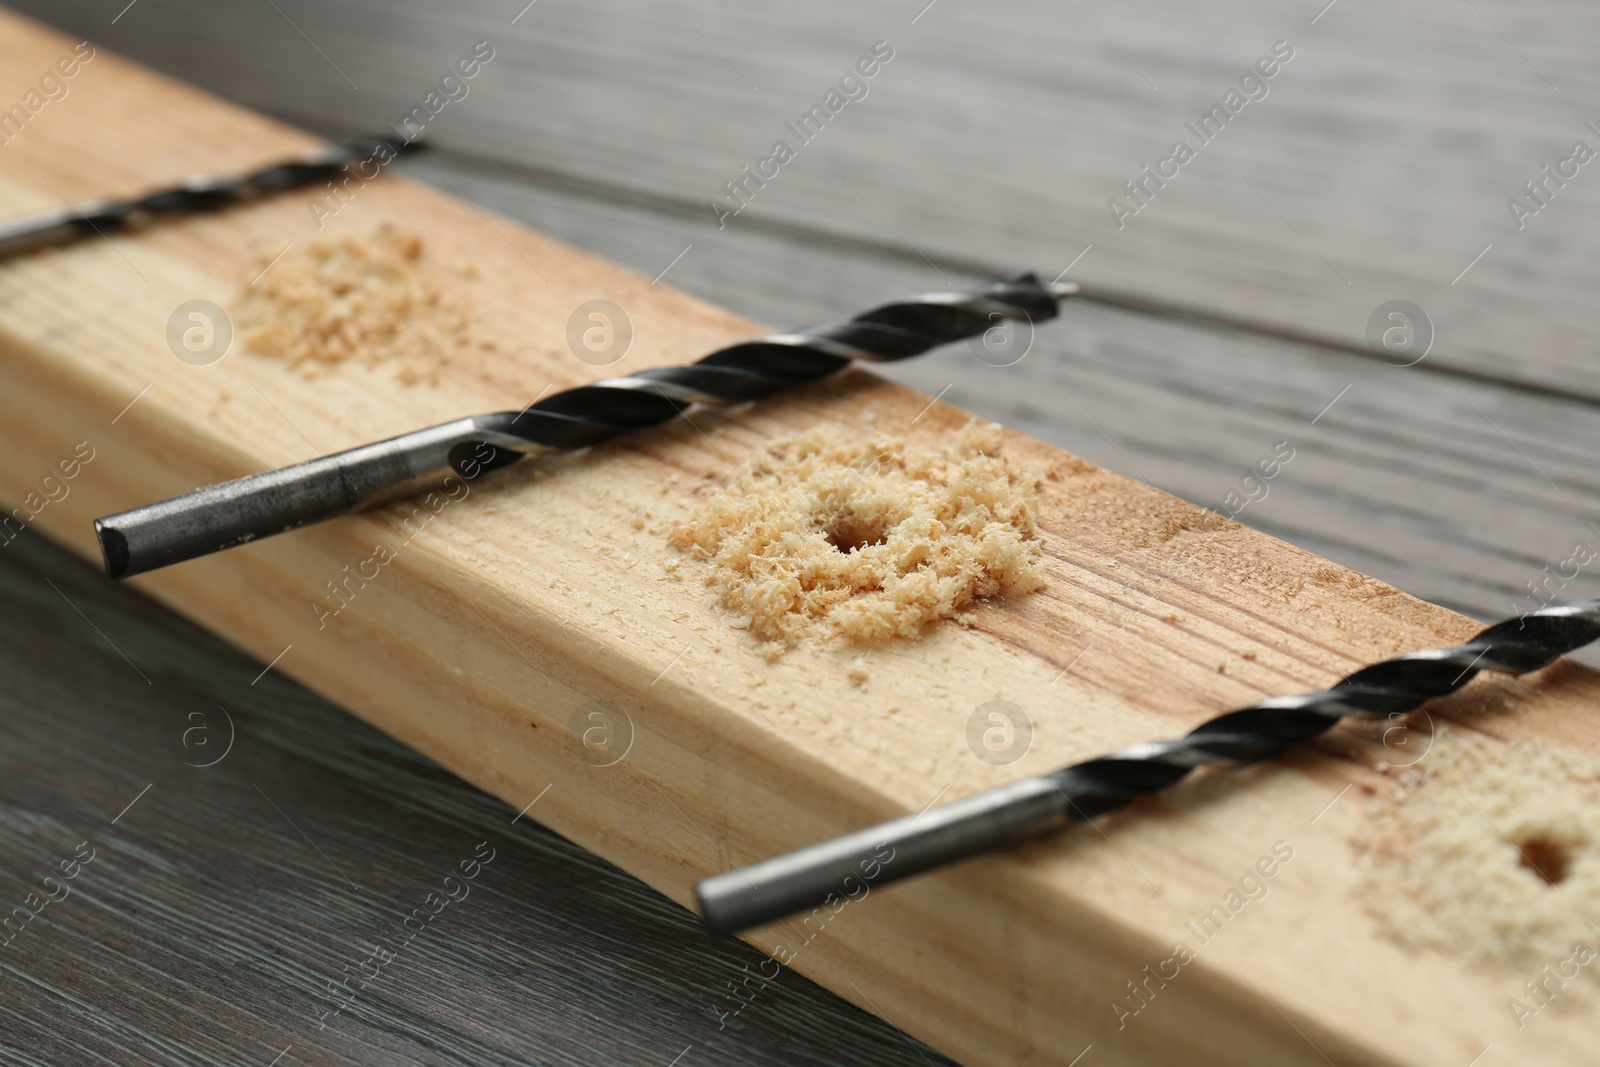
789 280
780 279
484 638
207 930
1432 482
1378 166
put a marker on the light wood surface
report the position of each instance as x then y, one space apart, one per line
808 757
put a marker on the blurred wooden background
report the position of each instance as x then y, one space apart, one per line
1230 313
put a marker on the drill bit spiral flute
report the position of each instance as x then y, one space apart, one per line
259 505
74 222
847 866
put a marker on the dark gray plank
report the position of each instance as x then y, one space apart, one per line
1378 166
221 901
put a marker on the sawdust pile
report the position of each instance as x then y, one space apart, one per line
867 539
372 298
1492 851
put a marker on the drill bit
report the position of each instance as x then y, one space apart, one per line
849 866
259 505
74 222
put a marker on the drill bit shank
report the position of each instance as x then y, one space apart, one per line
260 505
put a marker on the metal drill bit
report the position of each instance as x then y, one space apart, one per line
74 222
848 867
259 505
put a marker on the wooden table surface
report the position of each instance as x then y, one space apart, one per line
1230 313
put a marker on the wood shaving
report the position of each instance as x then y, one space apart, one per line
867 539
370 298
1464 859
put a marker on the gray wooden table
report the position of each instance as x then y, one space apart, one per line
1233 310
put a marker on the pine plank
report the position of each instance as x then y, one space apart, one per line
482 638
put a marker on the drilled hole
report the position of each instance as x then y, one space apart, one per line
1546 858
851 533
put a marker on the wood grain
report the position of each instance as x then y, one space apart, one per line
540 595
1377 167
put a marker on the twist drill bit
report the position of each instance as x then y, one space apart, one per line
73 222
846 867
259 505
